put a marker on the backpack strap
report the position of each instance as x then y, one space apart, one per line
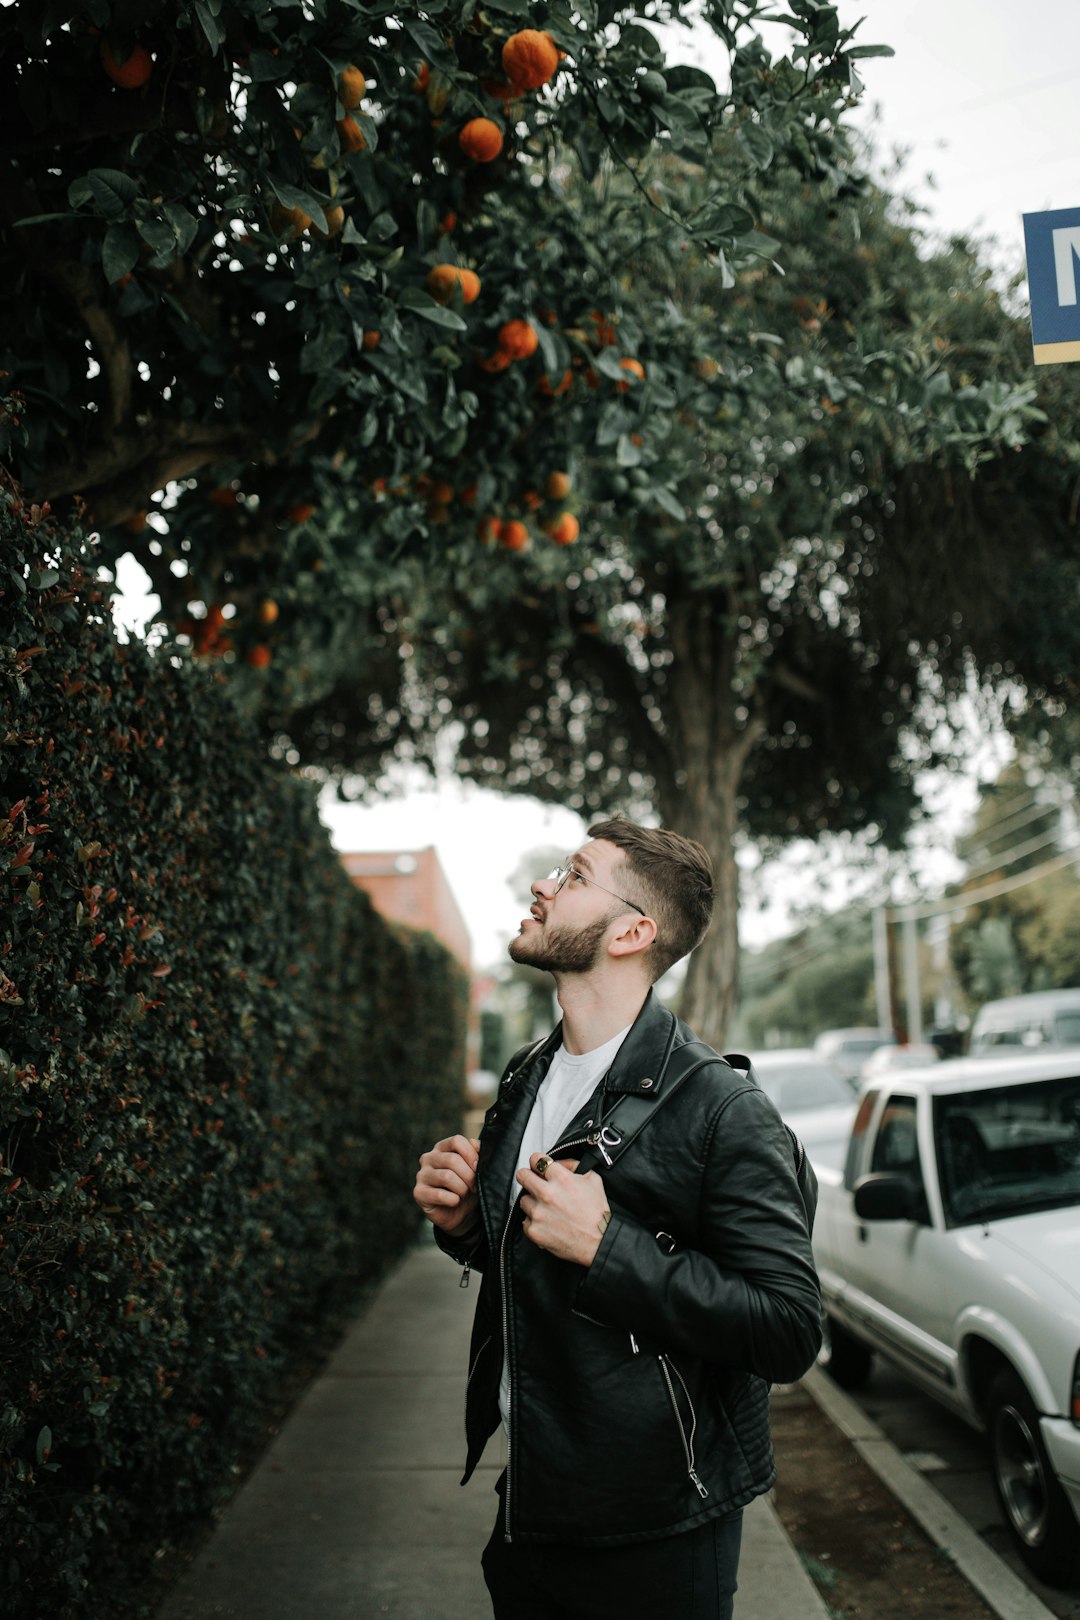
633 1111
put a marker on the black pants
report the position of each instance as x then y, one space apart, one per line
685 1577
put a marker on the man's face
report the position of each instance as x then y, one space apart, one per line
565 930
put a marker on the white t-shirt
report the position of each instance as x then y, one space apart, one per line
567 1086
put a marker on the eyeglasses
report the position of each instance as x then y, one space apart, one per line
559 874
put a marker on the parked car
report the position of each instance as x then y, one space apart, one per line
849 1049
1044 1019
950 1243
812 1097
888 1059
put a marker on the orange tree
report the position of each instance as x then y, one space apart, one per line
300 281
774 600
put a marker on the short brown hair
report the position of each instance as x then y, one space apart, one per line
671 877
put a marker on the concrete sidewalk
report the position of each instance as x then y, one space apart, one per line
355 1511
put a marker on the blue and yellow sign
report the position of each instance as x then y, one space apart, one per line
1053 263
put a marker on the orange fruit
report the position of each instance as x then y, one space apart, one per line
335 220
371 340
301 512
442 279
518 339
635 368
529 58
258 656
531 500
489 530
557 487
223 496
268 611
467 496
481 139
290 222
350 136
447 223
129 75
514 536
423 79
549 389
351 87
442 494
566 530
497 361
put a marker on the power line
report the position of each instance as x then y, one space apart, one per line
989 891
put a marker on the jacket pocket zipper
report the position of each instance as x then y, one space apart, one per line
667 1368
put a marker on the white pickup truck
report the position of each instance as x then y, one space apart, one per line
950 1242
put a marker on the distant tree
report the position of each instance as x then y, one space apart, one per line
1022 939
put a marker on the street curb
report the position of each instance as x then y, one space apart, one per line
1000 1589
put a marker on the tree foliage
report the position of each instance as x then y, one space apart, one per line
302 397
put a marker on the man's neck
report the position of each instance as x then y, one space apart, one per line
595 1010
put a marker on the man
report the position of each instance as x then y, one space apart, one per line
632 1314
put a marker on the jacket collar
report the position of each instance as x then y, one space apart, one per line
642 1059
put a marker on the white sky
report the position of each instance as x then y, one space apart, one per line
983 93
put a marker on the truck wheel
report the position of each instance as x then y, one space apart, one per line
844 1359
1036 1508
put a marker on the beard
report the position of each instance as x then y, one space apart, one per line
561 950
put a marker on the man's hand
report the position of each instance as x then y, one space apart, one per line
565 1214
446 1185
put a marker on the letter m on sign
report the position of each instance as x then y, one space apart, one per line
1052 239
1066 253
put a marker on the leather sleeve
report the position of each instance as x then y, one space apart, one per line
472 1250
747 1297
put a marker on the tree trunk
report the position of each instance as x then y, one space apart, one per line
708 997
713 729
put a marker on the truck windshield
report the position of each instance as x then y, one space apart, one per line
1008 1150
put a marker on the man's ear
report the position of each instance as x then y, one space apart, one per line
633 937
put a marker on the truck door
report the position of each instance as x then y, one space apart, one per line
897 1266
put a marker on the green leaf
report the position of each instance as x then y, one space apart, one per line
663 498
206 11
294 197
431 45
422 304
44 1444
612 423
112 191
119 251
43 579
757 143
863 51
184 225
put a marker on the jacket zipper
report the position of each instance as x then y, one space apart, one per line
687 1445
476 1363
509 1367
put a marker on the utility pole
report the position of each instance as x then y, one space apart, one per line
880 922
895 1020
911 979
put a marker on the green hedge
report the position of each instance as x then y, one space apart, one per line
217 1067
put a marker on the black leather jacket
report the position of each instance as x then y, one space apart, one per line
639 1385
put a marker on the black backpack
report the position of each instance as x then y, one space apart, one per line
632 1113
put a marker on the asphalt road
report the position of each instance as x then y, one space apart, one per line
953 1459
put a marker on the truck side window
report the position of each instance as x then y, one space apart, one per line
896 1147
853 1162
